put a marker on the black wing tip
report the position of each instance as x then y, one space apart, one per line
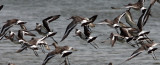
95 16
58 15
94 38
43 63
1 6
113 8
62 39
52 34
66 54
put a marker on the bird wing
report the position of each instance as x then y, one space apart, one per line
91 20
5 28
49 56
69 29
66 53
48 20
134 55
147 13
129 19
87 30
117 19
113 39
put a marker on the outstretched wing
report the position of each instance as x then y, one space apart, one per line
129 19
48 57
48 20
91 20
69 29
87 30
134 55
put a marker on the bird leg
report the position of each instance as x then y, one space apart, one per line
131 44
35 53
54 40
68 60
149 38
42 47
153 55
93 45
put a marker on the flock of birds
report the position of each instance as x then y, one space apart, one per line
133 33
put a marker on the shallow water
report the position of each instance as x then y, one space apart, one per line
34 11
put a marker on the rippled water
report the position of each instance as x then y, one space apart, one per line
33 11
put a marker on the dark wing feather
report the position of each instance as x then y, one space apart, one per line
1 7
140 20
147 13
20 35
51 18
23 27
117 19
66 53
87 30
134 55
138 50
48 57
5 28
48 20
69 29
91 20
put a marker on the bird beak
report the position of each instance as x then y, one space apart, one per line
74 49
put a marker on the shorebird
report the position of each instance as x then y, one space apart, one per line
44 29
149 47
124 36
76 20
16 38
110 23
86 36
136 6
116 37
34 42
9 23
115 23
144 17
63 50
